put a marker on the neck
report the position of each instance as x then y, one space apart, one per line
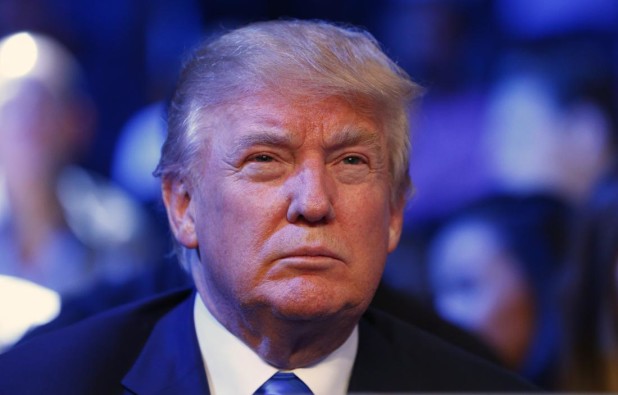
296 344
283 342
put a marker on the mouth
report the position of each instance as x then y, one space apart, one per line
310 259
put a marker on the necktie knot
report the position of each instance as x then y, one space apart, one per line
283 383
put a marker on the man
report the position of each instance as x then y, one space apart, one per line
284 178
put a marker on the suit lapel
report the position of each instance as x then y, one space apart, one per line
379 365
170 362
374 365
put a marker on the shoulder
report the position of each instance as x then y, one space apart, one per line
409 359
97 350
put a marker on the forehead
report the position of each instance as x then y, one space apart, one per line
297 117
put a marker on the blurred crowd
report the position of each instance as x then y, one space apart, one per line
511 236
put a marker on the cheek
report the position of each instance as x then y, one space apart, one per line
233 223
230 206
368 214
365 230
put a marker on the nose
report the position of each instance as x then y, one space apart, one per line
311 194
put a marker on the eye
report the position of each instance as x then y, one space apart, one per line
263 158
353 160
264 166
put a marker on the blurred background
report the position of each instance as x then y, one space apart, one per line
514 137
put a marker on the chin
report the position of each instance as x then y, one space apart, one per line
306 312
317 307
312 299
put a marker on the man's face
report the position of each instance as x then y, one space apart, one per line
480 286
289 208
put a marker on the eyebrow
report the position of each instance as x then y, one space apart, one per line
348 136
353 135
265 138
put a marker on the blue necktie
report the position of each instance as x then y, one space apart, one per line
282 384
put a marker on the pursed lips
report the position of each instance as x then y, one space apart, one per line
309 258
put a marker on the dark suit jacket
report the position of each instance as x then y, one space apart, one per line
151 348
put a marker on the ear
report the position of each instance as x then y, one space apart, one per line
177 200
395 224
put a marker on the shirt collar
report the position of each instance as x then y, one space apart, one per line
233 368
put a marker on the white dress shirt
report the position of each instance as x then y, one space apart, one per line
232 368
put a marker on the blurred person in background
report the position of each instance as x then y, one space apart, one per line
590 295
445 44
61 227
492 267
551 119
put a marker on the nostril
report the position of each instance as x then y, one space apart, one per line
311 221
312 207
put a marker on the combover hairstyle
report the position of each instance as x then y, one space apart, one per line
313 59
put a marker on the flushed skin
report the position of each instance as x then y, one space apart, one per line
291 212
